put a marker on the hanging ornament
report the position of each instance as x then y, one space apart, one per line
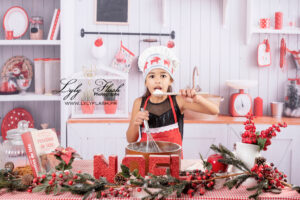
170 44
282 53
98 48
120 57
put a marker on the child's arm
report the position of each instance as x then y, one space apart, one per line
188 100
137 119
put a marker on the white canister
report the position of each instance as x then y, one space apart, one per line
247 153
52 75
39 75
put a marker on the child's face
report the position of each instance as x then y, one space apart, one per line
158 79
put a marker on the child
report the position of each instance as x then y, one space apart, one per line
164 113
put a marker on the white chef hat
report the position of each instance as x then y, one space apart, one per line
158 57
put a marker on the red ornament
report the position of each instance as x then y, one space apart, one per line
70 182
170 44
217 166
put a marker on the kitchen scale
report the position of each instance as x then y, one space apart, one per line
240 103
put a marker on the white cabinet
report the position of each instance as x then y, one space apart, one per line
197 138
90 139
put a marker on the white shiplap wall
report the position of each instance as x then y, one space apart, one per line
42 112
219 53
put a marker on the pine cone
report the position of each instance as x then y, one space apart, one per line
27 179
260 160
119 179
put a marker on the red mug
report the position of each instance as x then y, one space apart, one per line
9 35
264 23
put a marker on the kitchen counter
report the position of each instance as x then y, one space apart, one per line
221 119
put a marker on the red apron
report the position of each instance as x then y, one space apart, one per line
169 133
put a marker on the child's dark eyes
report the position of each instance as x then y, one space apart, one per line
151 76
163 76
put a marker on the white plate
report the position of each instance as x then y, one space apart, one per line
16 20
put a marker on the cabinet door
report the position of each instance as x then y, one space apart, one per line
197 139
282 152
97 138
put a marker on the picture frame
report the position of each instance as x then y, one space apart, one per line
114 12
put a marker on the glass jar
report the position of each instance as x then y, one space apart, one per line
292 98
13 146
8 85
36 28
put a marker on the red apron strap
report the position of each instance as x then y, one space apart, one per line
145 105
173 109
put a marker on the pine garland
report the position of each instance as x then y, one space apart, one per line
156 187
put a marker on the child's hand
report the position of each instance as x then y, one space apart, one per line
140 117
189 95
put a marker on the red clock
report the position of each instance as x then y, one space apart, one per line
240 104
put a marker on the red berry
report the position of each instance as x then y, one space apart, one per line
203 177
111 189
202 191
75 177
61 175
103 194
122 188
35 180
79 171
199 178
53 175
29 190
50 182
139 189
67 173
43 176
70 182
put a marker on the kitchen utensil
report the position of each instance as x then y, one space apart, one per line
16 20
151 145
240 103
161 93
264 54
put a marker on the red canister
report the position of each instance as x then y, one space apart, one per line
278 20
258 107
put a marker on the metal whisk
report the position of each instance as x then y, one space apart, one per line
151 145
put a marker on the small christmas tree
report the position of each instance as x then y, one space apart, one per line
292 99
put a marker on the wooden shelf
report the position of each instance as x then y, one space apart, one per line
29 97
251 29
274 31
29 42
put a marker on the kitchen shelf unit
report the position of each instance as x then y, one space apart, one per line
44 108
29 42
29 96
251 29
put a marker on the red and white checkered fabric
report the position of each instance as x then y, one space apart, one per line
87 167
